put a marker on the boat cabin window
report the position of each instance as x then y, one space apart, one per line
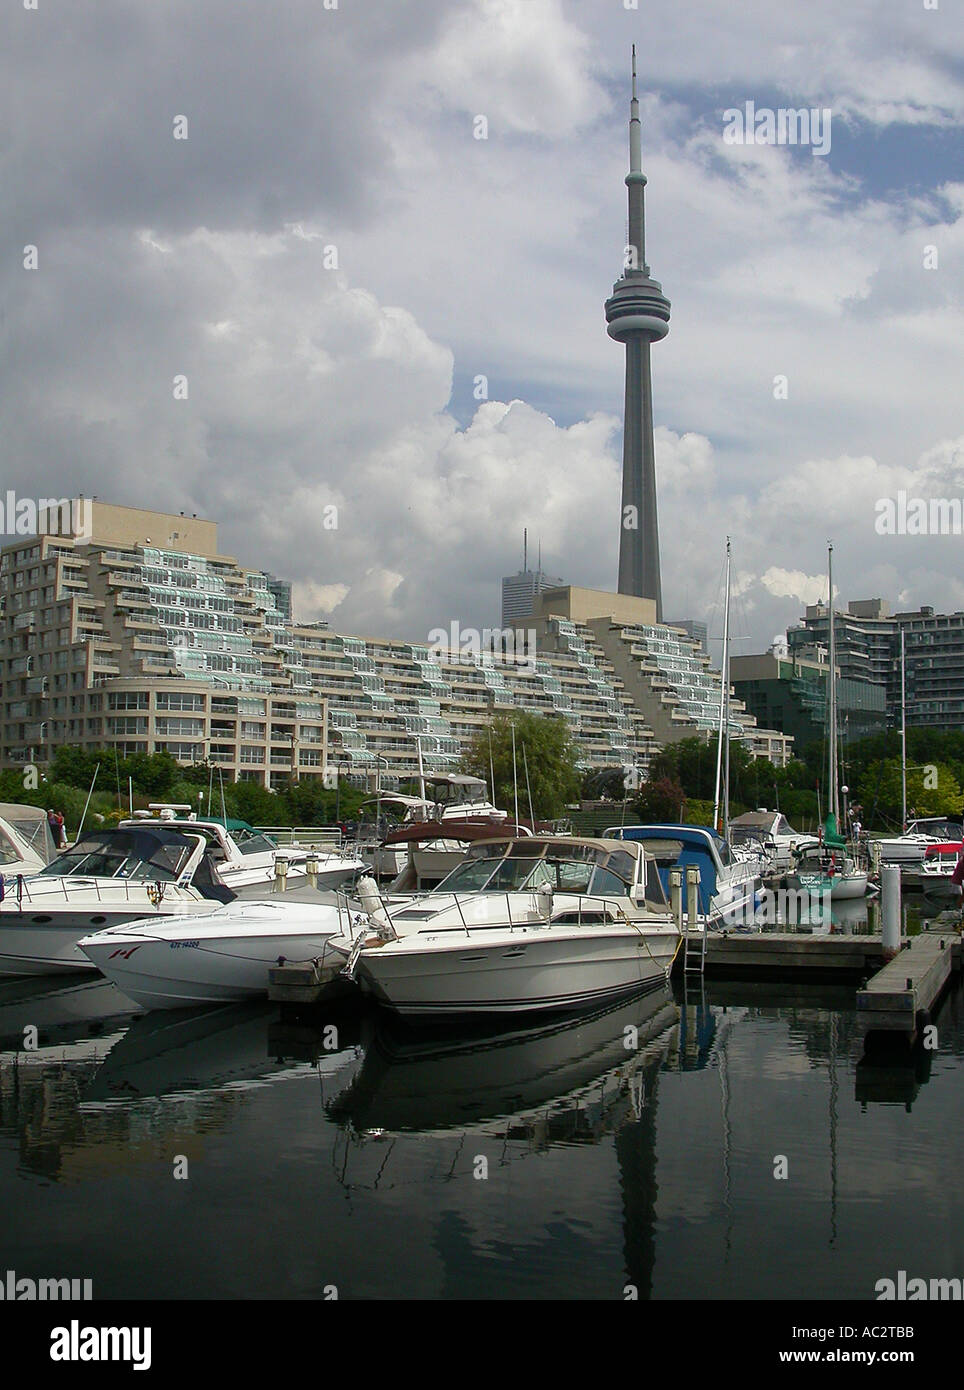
96 858
782 827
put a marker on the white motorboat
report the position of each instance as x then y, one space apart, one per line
391 810
247 859
779 838
109 876
728 885
935 874
184 961
429 843
911 847
523 924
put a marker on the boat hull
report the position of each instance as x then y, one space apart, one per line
31 947
526 971
840 887
190 964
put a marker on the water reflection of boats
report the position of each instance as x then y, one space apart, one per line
43 1020
412 1080
190 1051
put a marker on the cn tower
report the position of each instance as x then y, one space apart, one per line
637 314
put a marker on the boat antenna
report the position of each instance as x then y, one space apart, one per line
903 735
87 802
724 703
224 814
491 767
421 770
515 780
525 764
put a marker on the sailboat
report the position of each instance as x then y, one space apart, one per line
827 866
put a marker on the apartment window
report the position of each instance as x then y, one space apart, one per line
127 699
185 727
178 700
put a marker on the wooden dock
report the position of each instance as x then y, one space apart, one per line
782 955
899 997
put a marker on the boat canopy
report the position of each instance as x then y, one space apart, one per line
31 825
141 852
679 846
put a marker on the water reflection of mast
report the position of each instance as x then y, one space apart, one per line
833 1127
727 1137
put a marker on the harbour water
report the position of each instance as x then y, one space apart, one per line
729 1142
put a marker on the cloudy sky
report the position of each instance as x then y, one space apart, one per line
333 258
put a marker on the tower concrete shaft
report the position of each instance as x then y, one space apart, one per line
637 314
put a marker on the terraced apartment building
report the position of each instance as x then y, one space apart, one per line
139 635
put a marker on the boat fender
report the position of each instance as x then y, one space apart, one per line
371 901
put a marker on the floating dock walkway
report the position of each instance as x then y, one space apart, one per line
900 996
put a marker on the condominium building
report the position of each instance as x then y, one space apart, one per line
868 646
139 635
792 694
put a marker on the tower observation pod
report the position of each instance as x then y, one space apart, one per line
637 314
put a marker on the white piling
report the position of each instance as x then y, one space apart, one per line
692 894
890 909
676 897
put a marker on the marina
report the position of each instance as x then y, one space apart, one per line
381 922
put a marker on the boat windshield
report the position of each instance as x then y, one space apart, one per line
102 857
936 829
507 874
9 854
253 842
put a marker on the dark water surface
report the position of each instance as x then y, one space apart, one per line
566 1161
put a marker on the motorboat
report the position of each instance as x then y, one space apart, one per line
183 961
434 848
246 858
107 877
911 847
428 843
779 838
934 876
728 885
378 817
523 924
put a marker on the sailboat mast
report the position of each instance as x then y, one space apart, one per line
903 736
724 705
832 795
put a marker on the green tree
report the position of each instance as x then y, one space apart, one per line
551 755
